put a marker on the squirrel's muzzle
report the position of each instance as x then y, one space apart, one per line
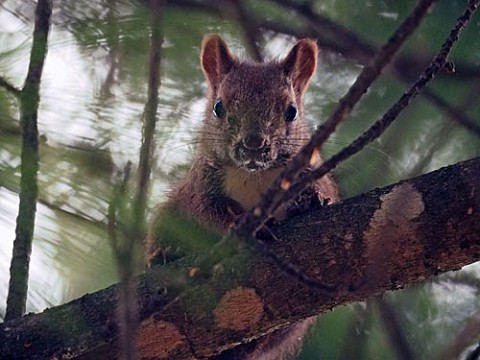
253 152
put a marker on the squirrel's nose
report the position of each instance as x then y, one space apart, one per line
254 141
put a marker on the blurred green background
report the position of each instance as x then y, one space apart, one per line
93 92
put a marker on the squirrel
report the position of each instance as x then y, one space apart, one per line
253 124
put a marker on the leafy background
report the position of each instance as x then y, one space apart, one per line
93 92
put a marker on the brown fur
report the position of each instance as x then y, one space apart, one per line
242 149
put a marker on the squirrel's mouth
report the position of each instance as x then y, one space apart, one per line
253 165
252 161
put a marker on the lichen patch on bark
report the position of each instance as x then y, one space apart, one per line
390 227
239 309
158 339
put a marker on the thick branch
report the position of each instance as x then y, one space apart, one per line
361 247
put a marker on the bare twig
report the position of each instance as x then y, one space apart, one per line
112 49
29 101
355 337
437 64
346 104
9 87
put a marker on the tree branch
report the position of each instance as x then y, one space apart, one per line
363 246
29 101
150 112
128 253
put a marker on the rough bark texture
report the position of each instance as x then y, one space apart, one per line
364 246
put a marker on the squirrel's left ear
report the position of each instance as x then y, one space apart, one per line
216 59
301 63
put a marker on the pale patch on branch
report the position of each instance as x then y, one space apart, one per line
392 224
158 339
239 309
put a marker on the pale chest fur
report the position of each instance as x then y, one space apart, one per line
247 188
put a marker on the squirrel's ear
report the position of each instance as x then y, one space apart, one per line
215 58
300 64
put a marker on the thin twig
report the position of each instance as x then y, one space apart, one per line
236 9
355 337
29 101
9 87
119 235
128 312
394 330
112 49
149 115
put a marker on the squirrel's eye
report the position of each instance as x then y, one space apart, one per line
291 113
219 109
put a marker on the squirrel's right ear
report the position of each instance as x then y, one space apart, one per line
300 64
215 58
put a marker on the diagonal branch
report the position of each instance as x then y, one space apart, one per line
188 310
437 64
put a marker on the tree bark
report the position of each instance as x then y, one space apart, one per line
378 241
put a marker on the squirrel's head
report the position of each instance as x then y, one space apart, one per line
254 119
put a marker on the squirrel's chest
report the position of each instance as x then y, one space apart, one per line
246 188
